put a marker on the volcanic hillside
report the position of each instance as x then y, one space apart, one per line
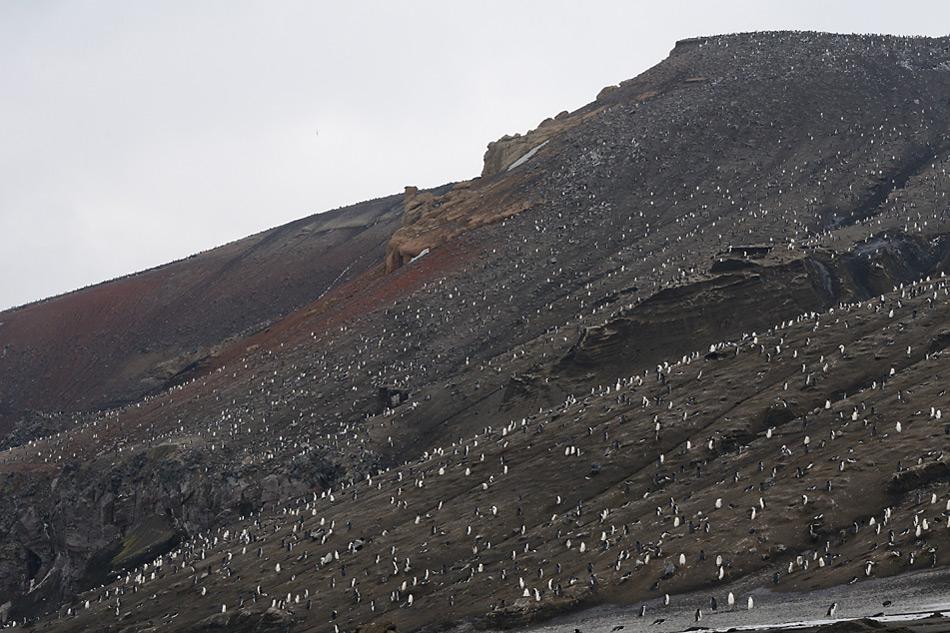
116 342
693 332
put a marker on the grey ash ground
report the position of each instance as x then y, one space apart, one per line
698 338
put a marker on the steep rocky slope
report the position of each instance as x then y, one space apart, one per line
653 310
778 452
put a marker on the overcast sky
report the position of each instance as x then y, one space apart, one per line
135 133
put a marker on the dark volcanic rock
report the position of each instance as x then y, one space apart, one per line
682 331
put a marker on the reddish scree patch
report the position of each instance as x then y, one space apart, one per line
61 338
371 291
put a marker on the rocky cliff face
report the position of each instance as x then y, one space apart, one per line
430 220
718 289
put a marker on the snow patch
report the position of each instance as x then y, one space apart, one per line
421 254
521 161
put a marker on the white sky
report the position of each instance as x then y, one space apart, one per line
133 133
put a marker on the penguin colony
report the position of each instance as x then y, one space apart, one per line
810 448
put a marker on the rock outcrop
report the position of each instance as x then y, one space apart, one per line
502 154
430 219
